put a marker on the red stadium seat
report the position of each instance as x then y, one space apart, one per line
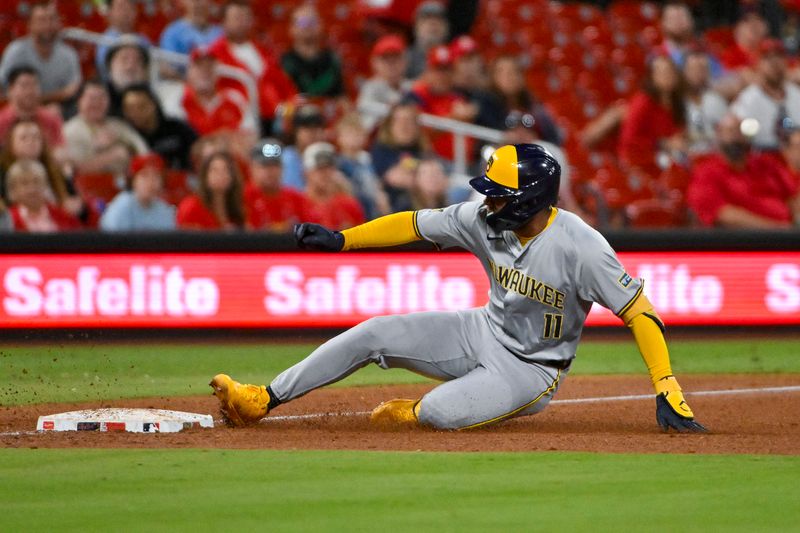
653 214
93 187
176 186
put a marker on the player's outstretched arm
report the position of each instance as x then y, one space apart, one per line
389 230
672 411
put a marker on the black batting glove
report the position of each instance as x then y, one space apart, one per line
673 412
315 237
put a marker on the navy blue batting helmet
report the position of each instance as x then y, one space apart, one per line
528 175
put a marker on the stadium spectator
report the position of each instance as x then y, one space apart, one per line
704 106
356 164
56 63
521 128
742 56
331 205
772 101
208 106
32 209
739 188
24 102
121 16
510 93
790 153
271 206
235 48
677 28
308 127
140 208
128 64
434 94
655 119
431 29
399 146
97 143
430 187
192 30
168 137
25 140
388 82
470 79
219 205
314 67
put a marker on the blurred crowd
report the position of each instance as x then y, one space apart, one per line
655 123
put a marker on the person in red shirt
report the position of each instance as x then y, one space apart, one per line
434 94
31 209
24 103
237 49
656 118
743 54
326 188
270 206
207 105
219 204
737 188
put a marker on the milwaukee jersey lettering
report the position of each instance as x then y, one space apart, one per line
539 293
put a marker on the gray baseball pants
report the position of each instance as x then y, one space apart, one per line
484 382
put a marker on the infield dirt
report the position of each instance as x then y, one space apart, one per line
758 423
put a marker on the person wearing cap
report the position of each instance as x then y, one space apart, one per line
271 206
122 16
236 49
315 69
29 195
56 62
520 128
168 137
192 30
388 82
434 94
331 205
208 105
308 127
140 207
470 79
127 64
431 29
771 101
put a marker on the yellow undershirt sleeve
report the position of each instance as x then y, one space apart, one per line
647 329
391 230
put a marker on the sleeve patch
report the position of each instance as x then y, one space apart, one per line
625 280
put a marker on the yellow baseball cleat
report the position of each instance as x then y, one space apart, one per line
397 413
241 405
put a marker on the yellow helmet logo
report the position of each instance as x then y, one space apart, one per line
502 167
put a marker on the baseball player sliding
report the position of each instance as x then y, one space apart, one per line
546 267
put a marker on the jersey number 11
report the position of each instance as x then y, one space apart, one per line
552 326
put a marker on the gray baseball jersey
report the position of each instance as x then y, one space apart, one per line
502 360
541 292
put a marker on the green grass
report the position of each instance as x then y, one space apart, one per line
77 372
184 490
